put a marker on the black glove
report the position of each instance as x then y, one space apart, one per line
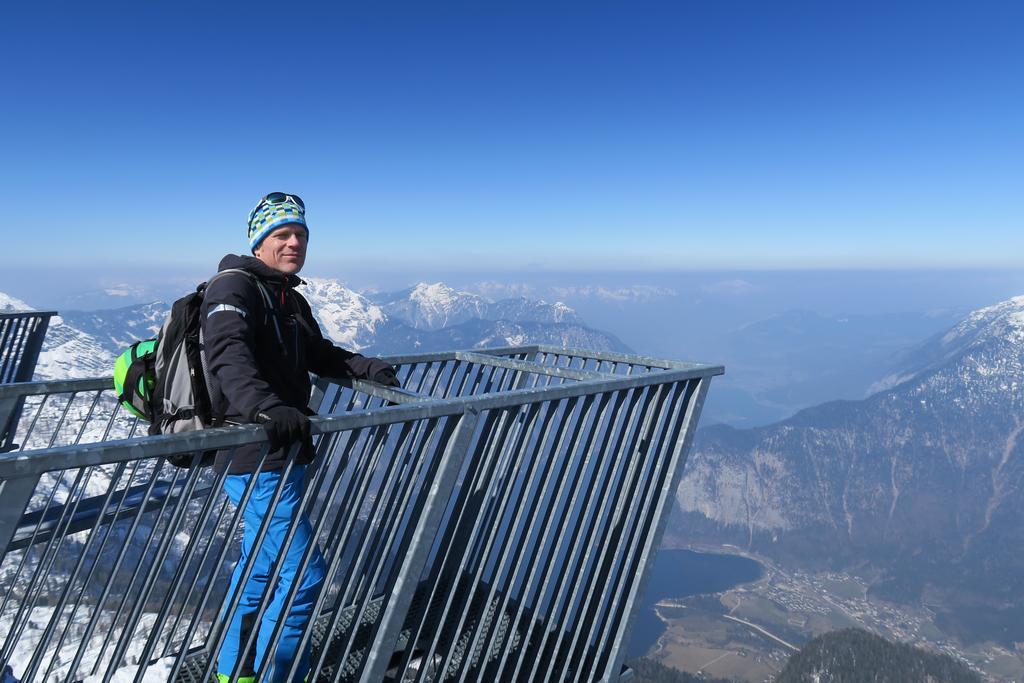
284 425
386 375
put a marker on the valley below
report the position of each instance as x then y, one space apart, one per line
747 633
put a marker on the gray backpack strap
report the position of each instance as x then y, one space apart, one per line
268 303
268 306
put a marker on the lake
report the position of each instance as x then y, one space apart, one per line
681 573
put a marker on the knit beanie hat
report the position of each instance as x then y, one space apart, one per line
267 217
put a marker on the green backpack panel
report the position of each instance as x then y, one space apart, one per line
135 378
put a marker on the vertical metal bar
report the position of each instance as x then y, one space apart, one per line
309 496
391 485
203 561
601 587
362 589
442 575
49 551
12 344
366 553
88 417
115 568
183 565
587 428
15 494
424 376
267 666
606 528
345 525
453 548
507 543
70 580
35 532
677 462
70 509
30 353
472 370
12 516
63 417
495 484
580 545
423 535
651 456
457 368
541 514
229 535
9 408
6 323
87 636
521 377
332 560
170 531
35 418
248 568
442 370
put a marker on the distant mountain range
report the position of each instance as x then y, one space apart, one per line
918 488
424 318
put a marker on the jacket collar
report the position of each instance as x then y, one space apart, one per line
259 269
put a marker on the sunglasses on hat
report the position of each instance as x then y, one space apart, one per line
278 198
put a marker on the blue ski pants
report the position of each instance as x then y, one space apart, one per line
282 517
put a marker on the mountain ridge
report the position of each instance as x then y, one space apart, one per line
423 318
917 487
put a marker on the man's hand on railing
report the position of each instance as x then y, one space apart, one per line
284 425
387 377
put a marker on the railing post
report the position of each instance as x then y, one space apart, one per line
15 495
422 539
649 545
9 409
33 346
25 359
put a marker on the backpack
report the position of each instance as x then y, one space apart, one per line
166 380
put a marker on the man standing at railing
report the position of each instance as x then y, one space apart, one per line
261 341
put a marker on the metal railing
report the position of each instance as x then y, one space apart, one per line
21 340
493 519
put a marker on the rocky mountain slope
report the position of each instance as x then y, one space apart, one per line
918 487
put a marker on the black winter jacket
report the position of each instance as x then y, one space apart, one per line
252 368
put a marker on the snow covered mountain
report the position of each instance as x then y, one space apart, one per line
8 304
345 316
436 306
1001 325
423 318
68 352
919 488
432 306
117 328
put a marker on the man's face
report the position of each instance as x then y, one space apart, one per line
284 249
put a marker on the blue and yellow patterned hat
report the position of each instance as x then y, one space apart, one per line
268 216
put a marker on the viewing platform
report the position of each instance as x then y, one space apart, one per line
493 519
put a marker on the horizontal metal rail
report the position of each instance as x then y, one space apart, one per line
491 519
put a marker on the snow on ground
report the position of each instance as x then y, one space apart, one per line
40 617
160 671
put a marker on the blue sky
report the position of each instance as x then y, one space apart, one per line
601 135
